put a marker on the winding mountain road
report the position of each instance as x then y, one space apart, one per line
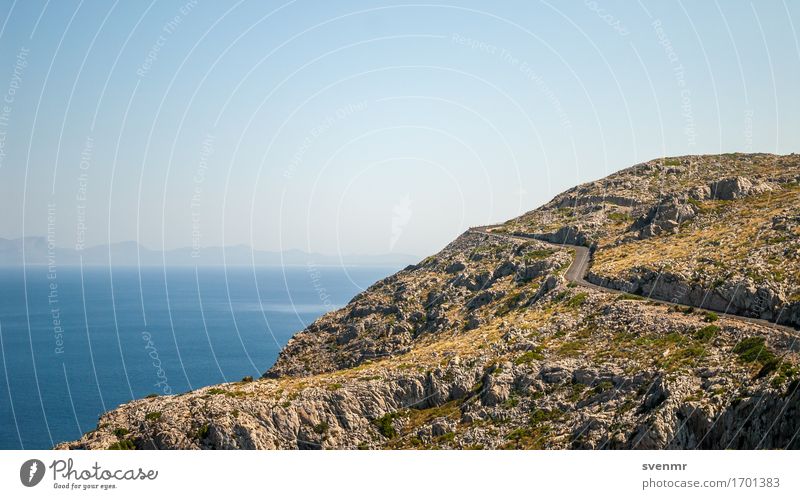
576 273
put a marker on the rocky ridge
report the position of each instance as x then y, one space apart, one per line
487 345
719 232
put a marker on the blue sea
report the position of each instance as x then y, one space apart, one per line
75 343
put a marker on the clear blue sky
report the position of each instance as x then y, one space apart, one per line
365 127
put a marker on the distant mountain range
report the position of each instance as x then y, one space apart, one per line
132 253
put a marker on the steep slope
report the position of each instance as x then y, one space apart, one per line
487 344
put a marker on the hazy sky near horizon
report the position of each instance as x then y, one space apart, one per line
364 126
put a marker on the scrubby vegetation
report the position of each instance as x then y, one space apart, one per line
122 445
385 427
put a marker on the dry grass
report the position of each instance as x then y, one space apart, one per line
727 237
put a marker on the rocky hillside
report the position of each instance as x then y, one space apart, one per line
720 232
487 345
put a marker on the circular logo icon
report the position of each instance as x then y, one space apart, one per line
31 472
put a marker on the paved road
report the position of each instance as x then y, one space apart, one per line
580 266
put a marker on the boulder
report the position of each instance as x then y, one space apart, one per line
700 193
665 217
496 388
482 299
736 188
441 426
504 269
554 374
454 267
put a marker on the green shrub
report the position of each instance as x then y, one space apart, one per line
203 431
561 296
577 300
749 349
510 303
541 415
529 356
121 432
227 393
753 349
711 317
152 416
786 371
619 217
683 355
706 333
603 386
576 391
527 438
122 445
629 296
384 425
321 427
538 254
447 437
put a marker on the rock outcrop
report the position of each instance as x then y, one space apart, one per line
664 218
736 188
